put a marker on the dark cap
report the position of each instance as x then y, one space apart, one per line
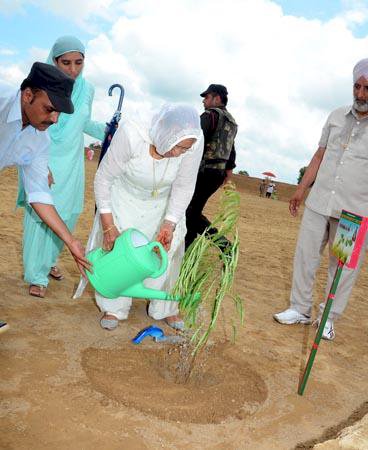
54 82
215 89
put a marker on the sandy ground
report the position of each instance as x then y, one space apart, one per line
68 384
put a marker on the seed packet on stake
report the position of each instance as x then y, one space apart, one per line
349 239
348 243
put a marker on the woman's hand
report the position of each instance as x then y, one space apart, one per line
109 237
110 232
166 233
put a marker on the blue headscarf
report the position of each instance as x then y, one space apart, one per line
66 44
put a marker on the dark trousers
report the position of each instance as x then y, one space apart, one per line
208 181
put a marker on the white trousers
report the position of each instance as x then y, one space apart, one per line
315 232
120 307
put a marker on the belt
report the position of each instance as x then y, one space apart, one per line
215 165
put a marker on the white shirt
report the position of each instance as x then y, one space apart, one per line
127 169
341 181
26 148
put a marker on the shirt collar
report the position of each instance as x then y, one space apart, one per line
350 109
15 112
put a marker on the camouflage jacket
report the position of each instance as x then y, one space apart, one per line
219 129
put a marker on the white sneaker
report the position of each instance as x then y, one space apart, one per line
3 326
328 331
291 316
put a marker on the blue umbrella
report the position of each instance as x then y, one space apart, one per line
112 126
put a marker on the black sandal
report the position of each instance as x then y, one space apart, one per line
56 274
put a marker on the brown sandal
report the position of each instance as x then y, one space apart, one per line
37 290
56 274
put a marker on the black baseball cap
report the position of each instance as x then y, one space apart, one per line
215 89
54 82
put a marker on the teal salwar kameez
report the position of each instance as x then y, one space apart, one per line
41 247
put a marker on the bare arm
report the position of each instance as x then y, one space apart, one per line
49 215
308 178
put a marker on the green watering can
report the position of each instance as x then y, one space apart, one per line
121 272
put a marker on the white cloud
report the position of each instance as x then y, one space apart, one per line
37 54
355 12
11 74
284 74
11 6
82 12
7 52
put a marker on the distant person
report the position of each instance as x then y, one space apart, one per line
274 193
262 188
41 248
339 170
25 116
218 161
269 190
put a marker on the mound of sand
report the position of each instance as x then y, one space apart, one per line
223 385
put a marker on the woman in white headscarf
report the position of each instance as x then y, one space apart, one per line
146 181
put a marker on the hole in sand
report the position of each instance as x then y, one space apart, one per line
151 380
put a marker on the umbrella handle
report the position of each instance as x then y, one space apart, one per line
112 87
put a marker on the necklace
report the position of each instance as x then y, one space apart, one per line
156 186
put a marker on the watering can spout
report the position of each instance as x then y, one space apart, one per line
141 291
122 271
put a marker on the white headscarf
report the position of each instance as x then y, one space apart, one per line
172 124
360 70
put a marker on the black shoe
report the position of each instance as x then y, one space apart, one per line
224 244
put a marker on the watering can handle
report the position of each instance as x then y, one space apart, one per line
164 261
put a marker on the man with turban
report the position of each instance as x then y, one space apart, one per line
339 170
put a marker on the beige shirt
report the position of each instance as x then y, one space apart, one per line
342 179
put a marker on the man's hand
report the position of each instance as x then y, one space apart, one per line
229 173
166 233
307 180
295 201
77 250
110 237
51 218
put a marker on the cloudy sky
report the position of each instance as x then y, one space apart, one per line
286 63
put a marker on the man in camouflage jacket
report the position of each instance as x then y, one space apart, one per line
218 161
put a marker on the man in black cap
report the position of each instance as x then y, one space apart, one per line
24 118
218 161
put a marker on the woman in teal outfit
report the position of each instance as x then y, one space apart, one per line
41 247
